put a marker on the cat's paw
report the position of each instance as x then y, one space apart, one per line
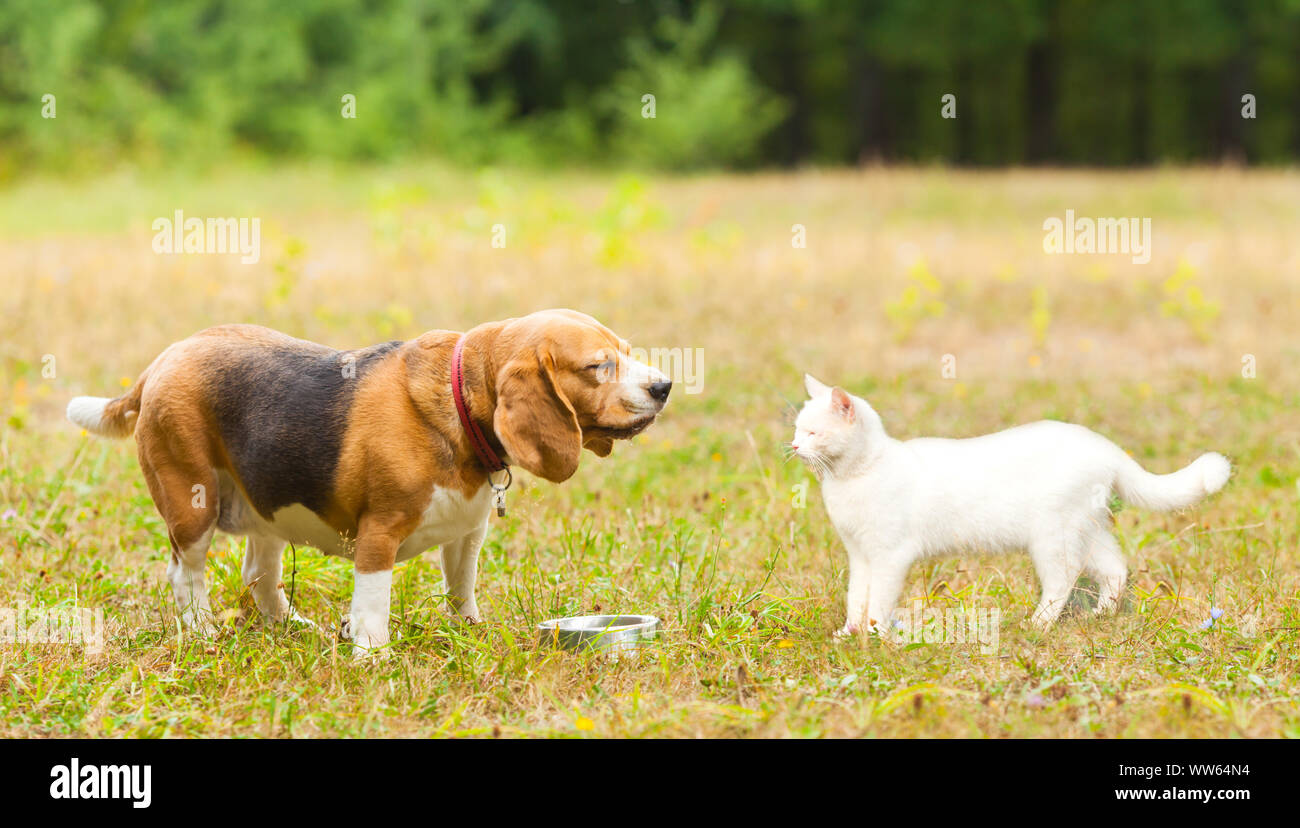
887 633
371 655
845 632
1041 623
1106 607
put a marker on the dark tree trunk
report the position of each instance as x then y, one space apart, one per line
868 109
1141 153
965 112
1043 67
1295 97
1230 127
794 132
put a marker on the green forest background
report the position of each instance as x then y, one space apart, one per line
738 84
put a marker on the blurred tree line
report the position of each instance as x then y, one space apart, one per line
735 82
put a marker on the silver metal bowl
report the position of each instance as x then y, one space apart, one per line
612 634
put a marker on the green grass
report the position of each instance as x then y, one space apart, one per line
698 520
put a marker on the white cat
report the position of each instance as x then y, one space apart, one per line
1042 487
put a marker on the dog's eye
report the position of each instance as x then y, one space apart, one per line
596 366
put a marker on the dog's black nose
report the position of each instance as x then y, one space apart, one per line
660 390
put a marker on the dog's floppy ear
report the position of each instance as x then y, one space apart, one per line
814 386
599 446
533 420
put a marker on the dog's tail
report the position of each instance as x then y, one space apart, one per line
1177 490
109 418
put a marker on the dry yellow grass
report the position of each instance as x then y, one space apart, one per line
698 520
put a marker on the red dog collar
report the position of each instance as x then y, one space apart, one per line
482 448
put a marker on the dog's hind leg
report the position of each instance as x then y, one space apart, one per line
262 572
186 573
186 494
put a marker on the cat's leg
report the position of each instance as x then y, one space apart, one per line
1105 563
855 606
888 574
1057 557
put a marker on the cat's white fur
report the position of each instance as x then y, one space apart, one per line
1043 487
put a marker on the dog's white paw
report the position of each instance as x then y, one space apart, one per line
200 623
367 643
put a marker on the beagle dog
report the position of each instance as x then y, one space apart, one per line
375 454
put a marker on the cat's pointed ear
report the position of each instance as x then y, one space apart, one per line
814 386
842 404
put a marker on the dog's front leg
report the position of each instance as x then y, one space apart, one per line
376 552
460 571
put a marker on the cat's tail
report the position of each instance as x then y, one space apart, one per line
1177 490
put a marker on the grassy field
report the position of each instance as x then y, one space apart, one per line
699 520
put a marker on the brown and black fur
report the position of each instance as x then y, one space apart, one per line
360 438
